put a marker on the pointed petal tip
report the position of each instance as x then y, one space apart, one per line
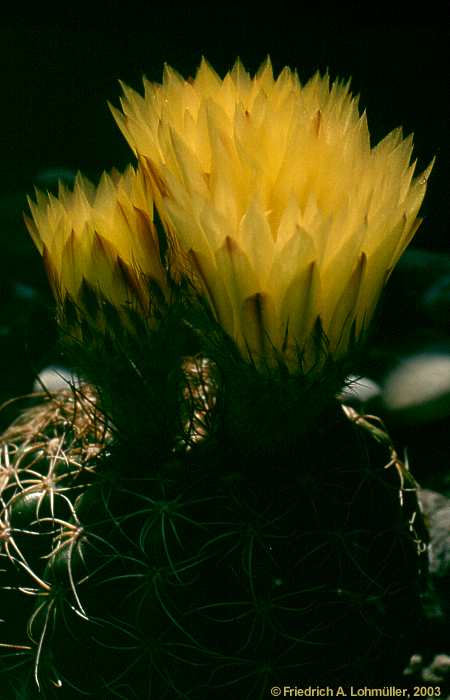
423 177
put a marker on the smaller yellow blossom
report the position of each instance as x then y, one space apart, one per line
103 237
273 197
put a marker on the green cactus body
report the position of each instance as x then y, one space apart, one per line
216 567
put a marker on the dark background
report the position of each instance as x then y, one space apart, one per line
56 80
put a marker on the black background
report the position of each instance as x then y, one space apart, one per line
56 80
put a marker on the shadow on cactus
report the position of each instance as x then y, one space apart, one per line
201 516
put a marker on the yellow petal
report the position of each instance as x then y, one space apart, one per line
272 190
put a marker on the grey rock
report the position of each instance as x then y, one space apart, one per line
436 671
53 379
418 388
359 391
436 301
437 513
415 665
436 601
439 669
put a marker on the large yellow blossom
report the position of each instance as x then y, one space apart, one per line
272 194
103 237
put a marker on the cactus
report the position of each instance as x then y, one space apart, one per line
200 572
202 517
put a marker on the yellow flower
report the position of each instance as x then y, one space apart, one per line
103 237
272 194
